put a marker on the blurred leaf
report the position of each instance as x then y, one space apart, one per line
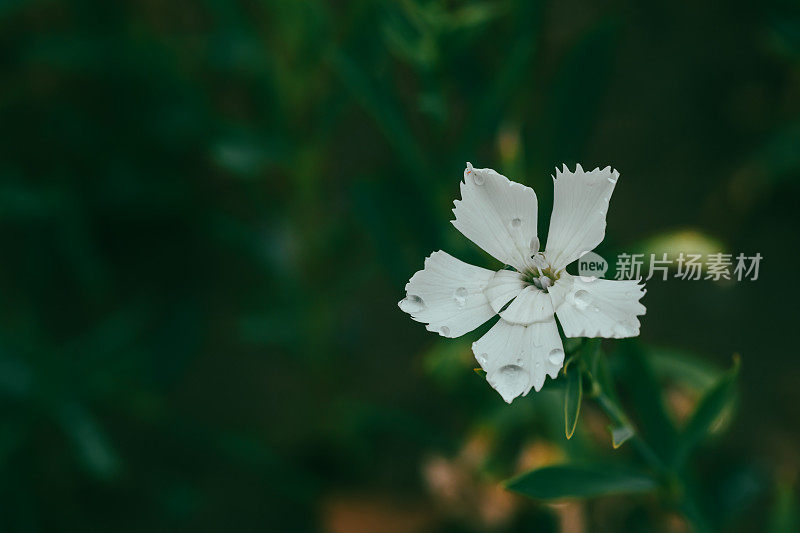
90 441
620 434
572 398
475 14
573 104
496 98
603 388
708 412
580 481
598 369
682 367
386 112
784 517
16 377
680 241
653 423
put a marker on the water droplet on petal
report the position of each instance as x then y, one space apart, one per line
582 299
556 356
445 331
482 359
612 178
460 296
535 245
478 178
510 381
412 304
519 361
516 222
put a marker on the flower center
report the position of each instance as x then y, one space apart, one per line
542 276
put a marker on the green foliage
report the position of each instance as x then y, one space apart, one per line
572 397
209 209
715 404
581 481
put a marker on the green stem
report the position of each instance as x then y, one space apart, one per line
677 487
618 417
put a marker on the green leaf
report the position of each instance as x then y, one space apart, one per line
580 481
572 398
785 514
683 367
620 434
598 370
708 412
603 389
651 419
90 441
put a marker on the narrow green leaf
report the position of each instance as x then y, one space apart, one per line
785 513
90 440
683 367
580 481
385 111
620 434
650 415
599 372
708 412
603 389
572 399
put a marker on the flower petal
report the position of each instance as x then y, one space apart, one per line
532 305
517 358
591 307
503 287
578 222
448 295
498 215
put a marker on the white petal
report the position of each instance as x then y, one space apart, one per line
517 358
591 307
503 287
532 305
548 352
448 295
498 215
580 204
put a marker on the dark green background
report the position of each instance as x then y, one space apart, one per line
209 210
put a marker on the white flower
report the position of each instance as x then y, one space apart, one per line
499 215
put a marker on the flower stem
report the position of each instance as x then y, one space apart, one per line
672 481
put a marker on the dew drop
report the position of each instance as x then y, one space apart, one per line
412 304
510 370
510 381
519 361
445 331
535 245
582 299
612 178
556 356
478 178
460 296
516 222
482 359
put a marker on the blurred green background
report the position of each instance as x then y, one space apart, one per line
209 210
